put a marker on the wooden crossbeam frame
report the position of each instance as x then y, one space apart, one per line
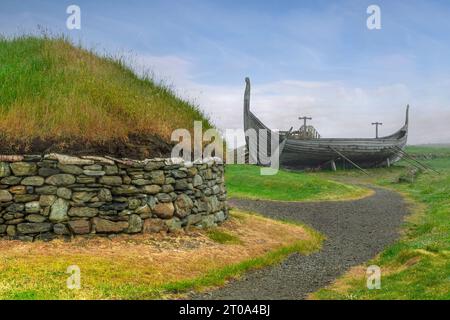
346 158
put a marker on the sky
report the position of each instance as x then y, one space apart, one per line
313 58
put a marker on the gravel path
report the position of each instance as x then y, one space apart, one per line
356 231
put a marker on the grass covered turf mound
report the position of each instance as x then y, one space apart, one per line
56 97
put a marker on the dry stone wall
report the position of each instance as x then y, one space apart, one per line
42 197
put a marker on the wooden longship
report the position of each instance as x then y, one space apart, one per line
306 149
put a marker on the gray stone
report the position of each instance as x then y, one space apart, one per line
181 185
178 174
83 196
11 180
61 179
208 221
3 228
83 212
192 171
151 201
105 195
115 206
23 168
46 172
46 190
111 170
213 204
164 210
5 196
47 200
197 180
64 193
152 189
125 213
85 179
143 210
164 197
170 180
167 188
16 207
216 189
26 197
154 165
135 224
94 167
107 226
60 229
4 169
193 219
58 212
32 207
33 181
11 231
111 180
70 168
134 203
183 205
35 218
154 225
140 182
125 190
158 177
27 228
80 226
219 216
94 173
173 224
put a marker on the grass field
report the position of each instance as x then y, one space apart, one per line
50 88
245 181
149 266
417 266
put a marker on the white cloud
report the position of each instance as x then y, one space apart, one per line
338 110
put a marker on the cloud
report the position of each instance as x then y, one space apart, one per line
338 109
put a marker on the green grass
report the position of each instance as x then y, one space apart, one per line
245 181
418 265
30 272
223 237
430 151
50 88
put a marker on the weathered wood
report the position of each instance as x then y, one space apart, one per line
367 152
376 128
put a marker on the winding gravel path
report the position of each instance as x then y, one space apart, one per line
356 231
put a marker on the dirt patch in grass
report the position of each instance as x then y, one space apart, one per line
144 266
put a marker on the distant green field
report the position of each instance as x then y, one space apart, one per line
433 151
245 181
418 265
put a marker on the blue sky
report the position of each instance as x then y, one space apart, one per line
304 57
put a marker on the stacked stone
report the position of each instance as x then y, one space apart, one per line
42 197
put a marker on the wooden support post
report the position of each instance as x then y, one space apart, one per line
388 163
333 165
